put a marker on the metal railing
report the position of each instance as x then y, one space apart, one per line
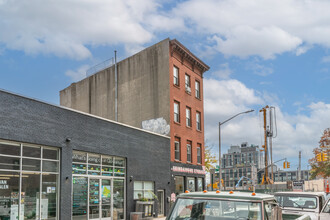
101 66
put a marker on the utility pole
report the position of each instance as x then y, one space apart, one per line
268 135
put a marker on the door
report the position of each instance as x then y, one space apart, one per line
325 213
160 196
94 198
100 199
106 199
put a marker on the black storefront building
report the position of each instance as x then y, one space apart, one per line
187 177
57 163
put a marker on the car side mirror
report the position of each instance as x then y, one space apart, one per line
276 213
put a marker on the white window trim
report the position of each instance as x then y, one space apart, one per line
175 150
177 114
190 157
188 117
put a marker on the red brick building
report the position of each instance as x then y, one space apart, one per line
162 81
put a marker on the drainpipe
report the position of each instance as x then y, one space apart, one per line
116 88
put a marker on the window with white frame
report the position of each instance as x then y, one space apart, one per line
143 189
198 121
187 83
177 112
199 155
197 89
188 117
28 174
175 75
189 152
177 148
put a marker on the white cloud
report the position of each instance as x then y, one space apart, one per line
226 98
257 27
67 27
258 68
78 74
223 72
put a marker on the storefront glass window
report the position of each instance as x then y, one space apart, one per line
97 164
9 194
39 195
48 198
9 163
31 151
31 164
79 198
200 184
98 186
179 185
118 199
30 195
10 149
191 184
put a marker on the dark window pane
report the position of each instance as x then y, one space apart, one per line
79 198
9 163
118 199
31 152
79 157
78 168
119 162
49 166
92 158
30 195
107 160
31 165
50 154
9 194
49 191
10 149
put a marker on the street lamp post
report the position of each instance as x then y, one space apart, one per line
221 123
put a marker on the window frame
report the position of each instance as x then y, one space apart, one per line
199 151
197 89
189 152
177 151
176 74
188 119
176 114
198 121
187 82
143 190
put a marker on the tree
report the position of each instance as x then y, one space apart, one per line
210 159
321 168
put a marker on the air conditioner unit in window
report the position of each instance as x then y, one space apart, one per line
188 90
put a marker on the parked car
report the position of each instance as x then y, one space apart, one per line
229 206
310 203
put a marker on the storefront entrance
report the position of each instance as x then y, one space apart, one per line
98 184
100 199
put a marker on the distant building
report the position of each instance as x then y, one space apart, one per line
290 175
240 161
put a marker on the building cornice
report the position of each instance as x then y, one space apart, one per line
177 47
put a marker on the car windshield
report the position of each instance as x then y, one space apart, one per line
292 201
204 209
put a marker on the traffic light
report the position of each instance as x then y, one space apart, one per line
288 164
319 157
284 164
324 156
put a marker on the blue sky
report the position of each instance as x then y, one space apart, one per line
260 52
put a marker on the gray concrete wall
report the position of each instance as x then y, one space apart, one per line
29 121
143 88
